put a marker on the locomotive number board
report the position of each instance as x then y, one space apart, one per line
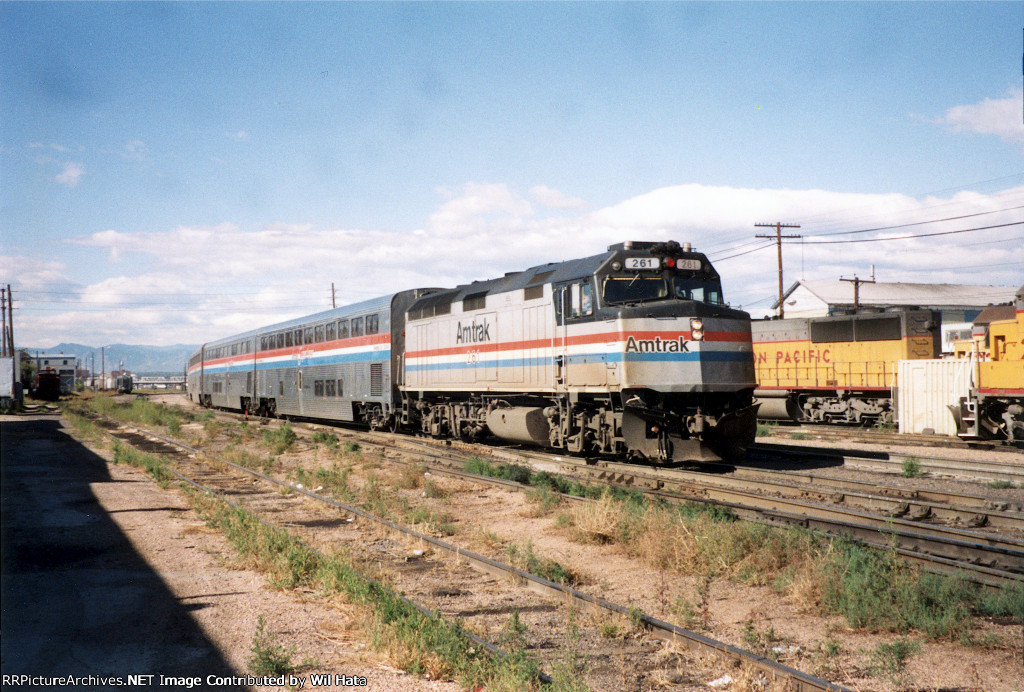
643 263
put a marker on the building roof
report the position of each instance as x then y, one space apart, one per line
921 295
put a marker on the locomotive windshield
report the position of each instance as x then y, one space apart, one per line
701 291
639 289
634 289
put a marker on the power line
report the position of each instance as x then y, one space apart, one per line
918 235
918 223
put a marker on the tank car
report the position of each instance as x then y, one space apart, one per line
629 352
994 408
839 369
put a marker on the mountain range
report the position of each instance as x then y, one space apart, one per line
139 360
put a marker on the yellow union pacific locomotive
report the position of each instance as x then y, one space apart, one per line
838 369
994 409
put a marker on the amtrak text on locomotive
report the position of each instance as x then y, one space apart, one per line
472 333
657 345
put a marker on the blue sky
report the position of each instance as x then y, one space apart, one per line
171 172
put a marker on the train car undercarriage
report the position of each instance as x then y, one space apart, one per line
641 425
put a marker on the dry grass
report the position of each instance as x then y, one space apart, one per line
696 542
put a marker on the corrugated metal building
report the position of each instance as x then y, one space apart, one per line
958 303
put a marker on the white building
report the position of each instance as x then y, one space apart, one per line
958 303
64 365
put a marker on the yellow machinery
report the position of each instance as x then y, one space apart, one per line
838 369
995 407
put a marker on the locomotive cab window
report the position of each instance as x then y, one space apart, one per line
634 289
701 291
581 299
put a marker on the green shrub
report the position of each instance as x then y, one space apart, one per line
280 439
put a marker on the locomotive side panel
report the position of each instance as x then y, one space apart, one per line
995 407
629 352
839 369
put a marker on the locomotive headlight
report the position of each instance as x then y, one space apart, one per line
616 266
696 329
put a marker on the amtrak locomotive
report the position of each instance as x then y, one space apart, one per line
631 353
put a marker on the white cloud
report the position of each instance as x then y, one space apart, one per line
1003 117
135 150
55 147
71 175
193 283
555 199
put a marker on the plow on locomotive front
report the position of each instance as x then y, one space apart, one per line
631 352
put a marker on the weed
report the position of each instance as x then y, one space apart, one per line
326 439
827 657
911 467
211 428
876 590
799 436
412 477
609 630
636 618
886 424
352 447
280 439
528 560
1007 602
514 635
686 612
544 499
1000 484
761 642
269 658
154 466
433 490
765 429
443 523
891 660
335 479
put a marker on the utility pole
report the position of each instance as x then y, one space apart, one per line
3 312
10 319
778 242
856 287
333 303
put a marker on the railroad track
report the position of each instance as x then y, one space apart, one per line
1011 470
229 486
872 436
905 522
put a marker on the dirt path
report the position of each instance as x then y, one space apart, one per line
105 574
